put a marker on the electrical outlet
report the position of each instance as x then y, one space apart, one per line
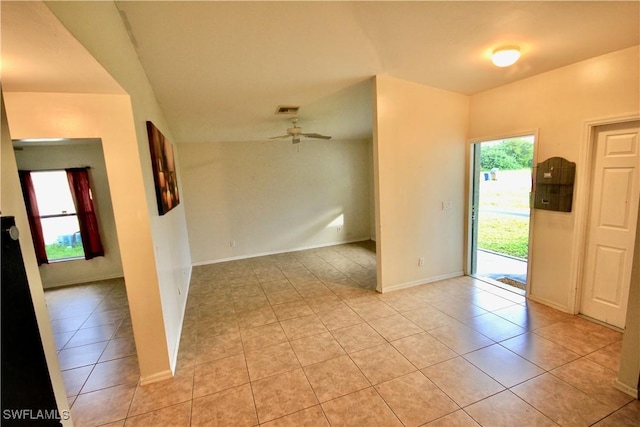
446 205
339 228
420 262
232 244
179 291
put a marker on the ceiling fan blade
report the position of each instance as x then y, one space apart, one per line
280 137
316 135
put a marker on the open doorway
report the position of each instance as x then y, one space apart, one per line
500 209
85 296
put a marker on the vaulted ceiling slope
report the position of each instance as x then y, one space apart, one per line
40 55
220 69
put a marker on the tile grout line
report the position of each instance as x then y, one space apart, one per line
349 293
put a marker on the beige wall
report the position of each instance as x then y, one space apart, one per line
372 194
274 196
80 155
97 25
419 150
559 104
12 204
420 157
629 373
109 117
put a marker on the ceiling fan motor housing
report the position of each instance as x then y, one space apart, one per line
294 131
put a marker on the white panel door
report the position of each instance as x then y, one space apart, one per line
611 234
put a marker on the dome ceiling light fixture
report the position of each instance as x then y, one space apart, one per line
505 56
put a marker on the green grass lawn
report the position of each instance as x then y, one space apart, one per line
505 234
58 251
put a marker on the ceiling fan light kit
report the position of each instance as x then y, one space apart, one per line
295 132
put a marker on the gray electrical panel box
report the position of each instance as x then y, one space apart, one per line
554 185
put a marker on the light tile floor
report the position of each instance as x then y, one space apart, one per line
303 339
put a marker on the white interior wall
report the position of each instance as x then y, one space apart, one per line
97 25
12 204
274 196
109 117
79 155
558 104
419 148
372 193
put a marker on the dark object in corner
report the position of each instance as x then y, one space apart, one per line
27 397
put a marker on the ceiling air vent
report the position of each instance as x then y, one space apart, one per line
287 109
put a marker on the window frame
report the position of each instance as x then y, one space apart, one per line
63 214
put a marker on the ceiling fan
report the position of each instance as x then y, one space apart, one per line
295 133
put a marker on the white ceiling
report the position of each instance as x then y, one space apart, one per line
220 69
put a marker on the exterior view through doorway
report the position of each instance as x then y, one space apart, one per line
500 209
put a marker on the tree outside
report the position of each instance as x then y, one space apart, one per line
509 154
504 202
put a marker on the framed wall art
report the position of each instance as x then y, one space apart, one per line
164 170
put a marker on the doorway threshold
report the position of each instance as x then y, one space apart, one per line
502 268
512 281
504 286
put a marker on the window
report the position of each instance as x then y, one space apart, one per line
58 216
61 214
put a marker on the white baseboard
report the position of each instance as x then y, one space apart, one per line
154 378
633 392
422 281
284 251
173 362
